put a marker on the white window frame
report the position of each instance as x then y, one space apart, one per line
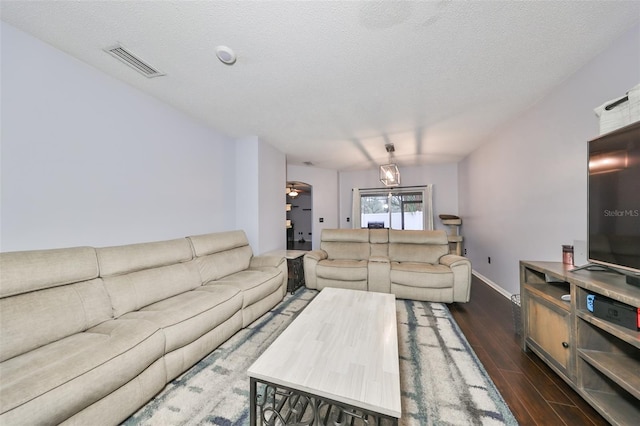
427 200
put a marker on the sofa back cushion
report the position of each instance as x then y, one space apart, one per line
131 292
346 243
379 239
120 260
138 275
46 295
24 271
221 254
417 246
37 318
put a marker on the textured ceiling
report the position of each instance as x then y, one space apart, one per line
331 82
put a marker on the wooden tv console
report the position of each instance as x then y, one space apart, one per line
599 359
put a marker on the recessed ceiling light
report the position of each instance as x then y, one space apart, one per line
226 55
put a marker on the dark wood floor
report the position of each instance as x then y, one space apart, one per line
535 394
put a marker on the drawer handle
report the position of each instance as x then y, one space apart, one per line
565 345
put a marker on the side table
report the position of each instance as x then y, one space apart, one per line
295 267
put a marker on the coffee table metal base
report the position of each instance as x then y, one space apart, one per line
280 405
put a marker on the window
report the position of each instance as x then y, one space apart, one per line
398 208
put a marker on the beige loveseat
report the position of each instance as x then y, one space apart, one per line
410 264
89 335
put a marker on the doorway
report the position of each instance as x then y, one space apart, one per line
299 203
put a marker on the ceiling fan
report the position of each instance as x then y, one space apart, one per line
294 190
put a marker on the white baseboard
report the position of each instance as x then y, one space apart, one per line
493 285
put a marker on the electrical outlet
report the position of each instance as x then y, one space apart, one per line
489 259
465 252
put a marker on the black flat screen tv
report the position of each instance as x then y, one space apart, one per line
614 200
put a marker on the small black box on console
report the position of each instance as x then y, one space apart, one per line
633 280
614 311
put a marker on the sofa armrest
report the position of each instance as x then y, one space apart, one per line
461 268
266 260
272 260
452 260
311 259
316 255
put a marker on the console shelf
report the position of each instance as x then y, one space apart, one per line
619 368
599 359
615 330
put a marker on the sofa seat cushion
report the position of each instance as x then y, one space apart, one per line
187 316
255 284
53 382
342 269
421 275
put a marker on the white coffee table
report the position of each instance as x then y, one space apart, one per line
341 350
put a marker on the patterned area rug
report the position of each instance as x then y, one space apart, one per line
442 380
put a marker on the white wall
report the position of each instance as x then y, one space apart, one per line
524 194
324 184
272 213
247 180
260 175
88 160
260 182
444 178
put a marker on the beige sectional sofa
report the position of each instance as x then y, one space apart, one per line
89 335
410 264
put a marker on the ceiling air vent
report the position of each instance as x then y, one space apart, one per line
133 61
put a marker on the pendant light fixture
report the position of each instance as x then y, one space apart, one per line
389 173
